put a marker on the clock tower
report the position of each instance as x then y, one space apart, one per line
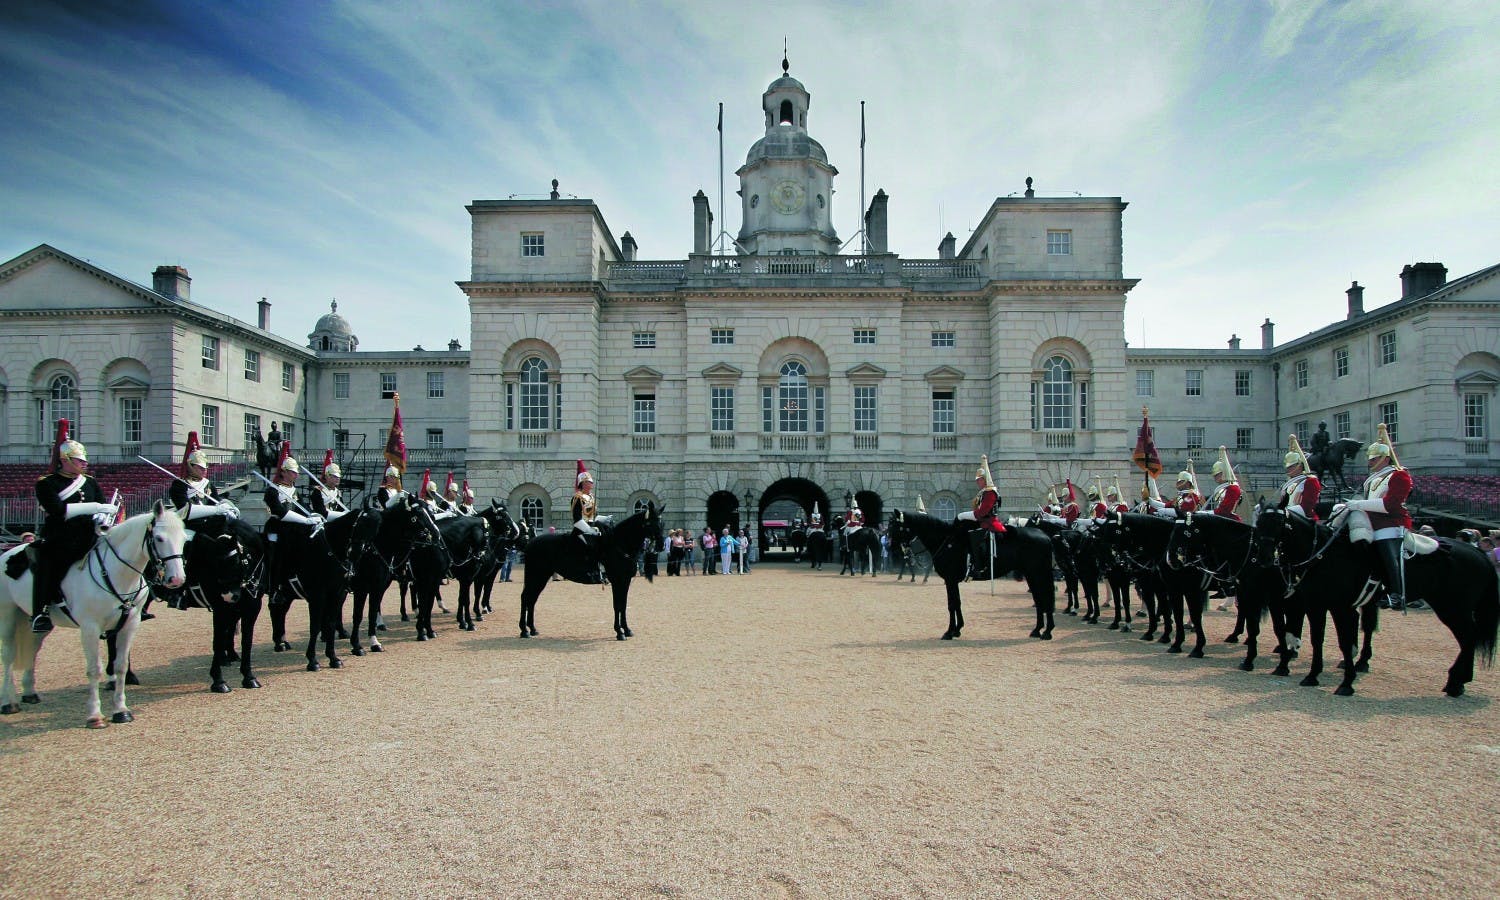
786 183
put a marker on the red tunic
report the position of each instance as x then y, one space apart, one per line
1229 498
1311 489
1071 512
1393 488
1186 502
985 513
1100 510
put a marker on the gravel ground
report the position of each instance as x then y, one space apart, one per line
784 733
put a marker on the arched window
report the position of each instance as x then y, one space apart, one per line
62 403
786 113
1057 393
535 414
532 513
944 507
792 397
642 504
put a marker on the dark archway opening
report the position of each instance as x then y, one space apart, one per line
785 506
786 117
871 505
723 511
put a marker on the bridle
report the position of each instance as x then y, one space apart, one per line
157 564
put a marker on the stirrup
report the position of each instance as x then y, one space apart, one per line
1367 593
41 623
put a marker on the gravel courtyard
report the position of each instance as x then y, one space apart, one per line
786 733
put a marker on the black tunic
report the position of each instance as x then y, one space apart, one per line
321 506
181 495
71 538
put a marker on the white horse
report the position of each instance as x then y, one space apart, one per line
105 590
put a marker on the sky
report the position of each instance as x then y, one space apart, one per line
1271 152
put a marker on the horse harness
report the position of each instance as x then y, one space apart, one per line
102 580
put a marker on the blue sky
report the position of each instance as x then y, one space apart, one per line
1271 152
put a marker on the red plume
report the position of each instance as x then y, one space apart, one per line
62 435
465 492
448 485
192 447
395 442
327 459
581 469
1072 494
426 480
120 512
286 451
1145 456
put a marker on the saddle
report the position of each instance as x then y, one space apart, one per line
1415 544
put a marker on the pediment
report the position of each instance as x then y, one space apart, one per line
944 375
722 370
866 370
1477 381
643 373
128 383
46 279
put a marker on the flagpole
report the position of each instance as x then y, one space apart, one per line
863 225
717 242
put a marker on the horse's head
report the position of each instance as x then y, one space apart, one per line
165 540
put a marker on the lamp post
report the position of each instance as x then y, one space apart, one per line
848 500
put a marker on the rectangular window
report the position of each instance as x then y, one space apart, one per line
510 406
944 413
1059 242
533 243
644 340
721 408
767 410
643 414
721 335
1145 383
289 433
1195 437
864 335
1341 362
435 386
252 427
434 439
1388 415
341 443
1036 418
1302 432
1083 405
252 365
1194 382
210 352
1242 382
535 413
1244 439
944 339
1387 347
1341 426
341 385
1476 415
288 377
1299 374
130 420
387 385
864 408
557 406
818 410
209 426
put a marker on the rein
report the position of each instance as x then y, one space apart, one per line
102 580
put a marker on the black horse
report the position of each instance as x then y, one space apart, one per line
265 455
1332 460
1025 551
861 546
320 565
819 548
1168 582
388 552
470 550
1329 572
560 554
797 540
505 534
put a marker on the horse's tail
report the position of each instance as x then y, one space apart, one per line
1487 620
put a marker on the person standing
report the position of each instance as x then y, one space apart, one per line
74 509
726 551
710 544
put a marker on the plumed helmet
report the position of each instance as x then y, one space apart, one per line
198 458
1185 475
1112 492
71 449
330 467
583 475
392 472
290 464
192 454
1292 458
468 491
1222 466
1377 449
1093 492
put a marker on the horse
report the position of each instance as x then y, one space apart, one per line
321 567
1329 572
505 533
1026 551
862 543
906 555
265 455
797 540
819 548
1333 458
467 540
1168 582
388 552
559 554
104 591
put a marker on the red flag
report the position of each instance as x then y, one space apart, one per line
62 435
395 442
192 447
120 512
1145 456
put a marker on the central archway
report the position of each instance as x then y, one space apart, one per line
784 503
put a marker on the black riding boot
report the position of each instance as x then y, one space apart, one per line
43 592
590 570
1393 572
979 555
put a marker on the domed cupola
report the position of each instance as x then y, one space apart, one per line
332 333
786 183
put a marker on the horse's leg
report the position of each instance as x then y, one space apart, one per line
279 609
124 639
620 587
360 592
11 641
376 595
1346 626
1197 601
1148 602
315 615
1316 626
1179 606
249 610
465 616
955 611
337 616
223 638
331 617
401 585
1251 619
93 671
1369 617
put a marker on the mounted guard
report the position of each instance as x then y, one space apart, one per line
75 516
1300 493
466 507
193 493
289 527
585 512
986 516
1380 516
326 499
1227 492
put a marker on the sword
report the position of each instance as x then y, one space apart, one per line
291 501
178 478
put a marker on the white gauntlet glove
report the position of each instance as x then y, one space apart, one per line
90 509
1164 512
1375 506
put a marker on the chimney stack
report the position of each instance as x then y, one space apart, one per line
1267 335
1421 279
1234 342
947 247
703 224
627 247
1356 300
171 281
263 314
876 231
454 346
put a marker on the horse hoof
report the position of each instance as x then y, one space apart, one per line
1069 612
1175 648
250 682
380 627
31 698
1114 626
422 635
219 687
431 635
313 666
10 709
1124 629
619 636
525 635
533 632
335 663
1343 690
1283 671
947 635
1149 636
97 722
376 648
1232 639
120 718
1247 666
1452 690
357 651
629 633
1196 654
1036 632
1046 635
1309 681
1362 667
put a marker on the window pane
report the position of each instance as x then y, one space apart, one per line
1195 437
1057 393
1194 381
792 399
434 439
1059 243
435 385
341 385
533 244
944 413
864 408
1341 426
1341 362
864 335
721 335
252 365
535 416
288 376
1476 409
643 414
1145 383
252 425
1242 383
531 511
1389 417
210 426
644 340
387 385
944 339
130 420
1244 439
721 409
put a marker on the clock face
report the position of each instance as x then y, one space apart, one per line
788 197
